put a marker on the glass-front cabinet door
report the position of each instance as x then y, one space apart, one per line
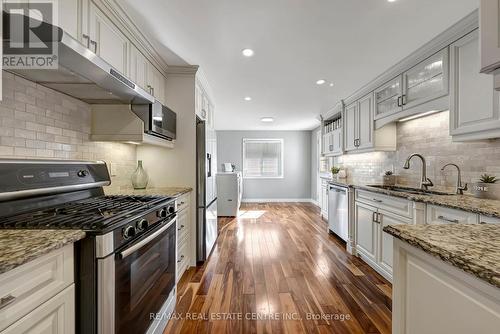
426 81
388 98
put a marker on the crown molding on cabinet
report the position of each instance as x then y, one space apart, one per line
114 10
183 70
452 34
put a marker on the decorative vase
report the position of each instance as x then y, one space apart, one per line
140 177
486 190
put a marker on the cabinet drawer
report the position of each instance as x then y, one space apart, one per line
57 315
183 202
441 215
34 283
182 258
399 206
488 220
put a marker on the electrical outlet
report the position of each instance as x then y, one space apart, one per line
112 169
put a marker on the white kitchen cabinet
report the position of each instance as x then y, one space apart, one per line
68 14
366 231
155 83
42 293
474 103
323 200
489 26
183 235
488 220
426 81
441 215
385 254
388 98
365 126
55 316
359 132
107 41
351 127
138 68
337 142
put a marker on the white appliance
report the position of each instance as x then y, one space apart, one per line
229 190
206 191
338 211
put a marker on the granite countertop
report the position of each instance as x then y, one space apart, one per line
21 246
163 191
469 203
474 248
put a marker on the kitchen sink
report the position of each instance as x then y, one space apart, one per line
415 191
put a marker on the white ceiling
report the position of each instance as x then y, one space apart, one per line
296 42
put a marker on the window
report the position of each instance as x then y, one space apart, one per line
263 158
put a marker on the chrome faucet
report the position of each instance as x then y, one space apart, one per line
460 188
425 182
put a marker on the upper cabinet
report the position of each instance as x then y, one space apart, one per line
423 87
333 132
106 40
359 134
204 107
474 103
489 24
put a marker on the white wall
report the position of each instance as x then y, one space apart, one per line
296 184
314 163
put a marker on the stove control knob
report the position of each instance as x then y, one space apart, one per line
163 213
171 209
142 224
82 173
129 232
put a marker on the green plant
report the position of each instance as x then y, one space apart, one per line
486 178
335 170
388 172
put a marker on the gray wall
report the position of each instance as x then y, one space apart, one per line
297 164
314 163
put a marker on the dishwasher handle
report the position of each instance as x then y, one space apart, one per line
337 189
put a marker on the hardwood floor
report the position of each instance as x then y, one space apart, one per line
276 270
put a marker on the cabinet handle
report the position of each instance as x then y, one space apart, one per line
448 219
374 217
331 147
403 100
181 258
94 43
400 104
7 300
379 219
377 200
87 37
153 91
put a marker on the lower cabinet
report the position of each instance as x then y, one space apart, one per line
372 244
441 215
323 200
183 235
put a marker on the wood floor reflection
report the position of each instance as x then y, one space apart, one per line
276 270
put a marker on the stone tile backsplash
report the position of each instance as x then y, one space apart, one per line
429 136
37 122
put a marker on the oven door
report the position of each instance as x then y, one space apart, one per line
163 121
144 278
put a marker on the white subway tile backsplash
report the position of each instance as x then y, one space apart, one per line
37 122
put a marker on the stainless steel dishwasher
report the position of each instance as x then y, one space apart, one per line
338 211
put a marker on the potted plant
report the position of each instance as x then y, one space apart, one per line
335 171
487 187
389 179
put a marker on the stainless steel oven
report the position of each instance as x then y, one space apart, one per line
134 282
158 119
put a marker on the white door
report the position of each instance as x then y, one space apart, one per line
426 81
386 240
351 126
365 136
474 104
107 41
388 98
366 230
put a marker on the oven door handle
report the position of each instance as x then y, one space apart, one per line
145 241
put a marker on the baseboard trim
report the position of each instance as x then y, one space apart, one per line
279 200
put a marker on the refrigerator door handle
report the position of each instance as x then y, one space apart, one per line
209 158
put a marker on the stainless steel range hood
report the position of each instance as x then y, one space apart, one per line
82 74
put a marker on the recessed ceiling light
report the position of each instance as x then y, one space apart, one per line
331 85
391 0
247 52
248 98
320 82
267 119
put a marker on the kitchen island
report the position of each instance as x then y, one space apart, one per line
444 274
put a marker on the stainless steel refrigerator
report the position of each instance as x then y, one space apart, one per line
206 190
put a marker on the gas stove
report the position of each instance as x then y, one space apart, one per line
125 268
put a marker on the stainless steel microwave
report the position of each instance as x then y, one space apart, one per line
159 120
